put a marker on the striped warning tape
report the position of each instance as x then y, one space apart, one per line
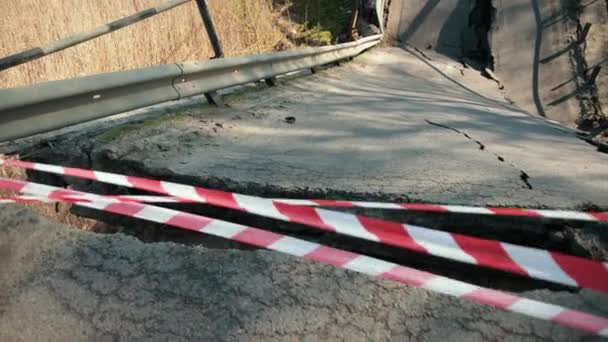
519 212
460 209
24 199
326 255
78 198
526 261
120 198
539 213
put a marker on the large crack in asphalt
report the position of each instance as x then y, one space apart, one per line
523 176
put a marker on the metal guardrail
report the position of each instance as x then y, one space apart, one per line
380 5
62 44
47 106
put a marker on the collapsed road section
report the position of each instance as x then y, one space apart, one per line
359 132
547 54
381 148
433 179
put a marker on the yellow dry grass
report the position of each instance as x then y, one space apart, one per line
56 212
244 26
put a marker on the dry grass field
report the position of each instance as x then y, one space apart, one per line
245 26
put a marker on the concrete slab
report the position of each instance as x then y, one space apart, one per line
534 44
533 47
62 284
435 24
596 47
389 126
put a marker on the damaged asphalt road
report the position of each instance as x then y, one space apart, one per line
363 132
380 128
63 284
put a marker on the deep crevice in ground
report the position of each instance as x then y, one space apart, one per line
154 233
570 238
480 22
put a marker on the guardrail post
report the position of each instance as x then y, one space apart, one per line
271 81
213 97
354 20
208 22
584 33
594 73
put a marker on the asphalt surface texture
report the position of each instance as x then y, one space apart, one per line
62 284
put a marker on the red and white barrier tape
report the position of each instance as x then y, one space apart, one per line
532 262
120 198
24 199
326 255
553 214
440 208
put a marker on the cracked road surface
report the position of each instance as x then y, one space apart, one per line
362 131
62 284
523 175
